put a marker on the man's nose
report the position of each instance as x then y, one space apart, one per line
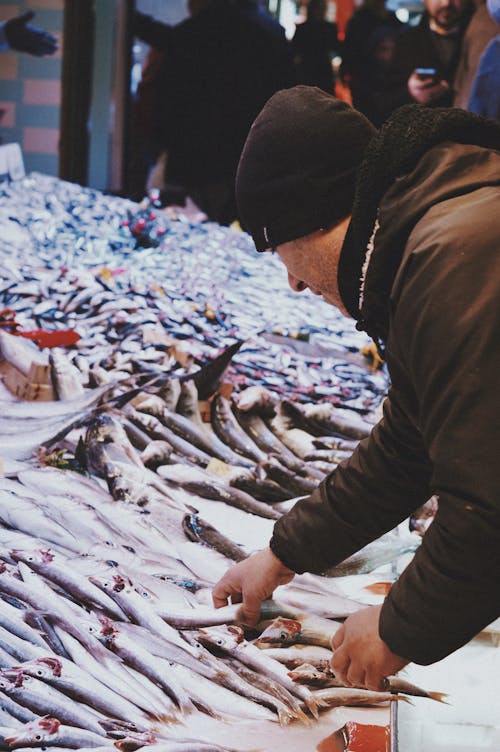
296 284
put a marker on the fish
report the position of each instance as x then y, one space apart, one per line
190 432
386 549
423 517
334 697
209 488
324 418
305 628
66 378
297 654
48 731
71 679
231 640
259 400
42 699
228 430
324 678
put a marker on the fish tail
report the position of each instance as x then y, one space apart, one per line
438 696
284 717
313 705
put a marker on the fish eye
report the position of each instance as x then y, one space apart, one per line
38 737
283 635
220 642
39 672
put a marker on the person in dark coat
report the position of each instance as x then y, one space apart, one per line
372 87
356 68
220 66
435 44
314 44
399 229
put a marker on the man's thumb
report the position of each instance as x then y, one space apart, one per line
26 17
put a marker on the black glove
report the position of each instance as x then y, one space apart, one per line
23 37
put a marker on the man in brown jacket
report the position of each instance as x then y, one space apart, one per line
400 230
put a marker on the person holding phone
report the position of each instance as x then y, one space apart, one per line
426 57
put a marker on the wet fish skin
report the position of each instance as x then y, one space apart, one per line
198 530
231 640
216 491
42 699
48 731
230 432
381 551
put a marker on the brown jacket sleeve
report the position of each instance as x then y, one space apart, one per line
447 327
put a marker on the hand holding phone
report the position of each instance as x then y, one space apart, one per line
426 86
427 73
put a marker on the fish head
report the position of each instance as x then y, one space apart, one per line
15 676
146 593
34 731
226 637
52 665
108 630
37 556
5 682
281 631
103 583
306 673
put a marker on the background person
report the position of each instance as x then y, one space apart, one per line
355 70
314 44
399 229
219 68
478 34
485 94
434 44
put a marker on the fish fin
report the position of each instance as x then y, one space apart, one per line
81 454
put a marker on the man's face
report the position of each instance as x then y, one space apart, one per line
312 262
446 14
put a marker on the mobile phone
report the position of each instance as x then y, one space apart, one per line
424 73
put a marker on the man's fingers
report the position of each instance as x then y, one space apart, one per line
251 610
221 593
340 665
355 676
376 683
26 17
338 637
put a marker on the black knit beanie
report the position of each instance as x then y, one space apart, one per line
297 171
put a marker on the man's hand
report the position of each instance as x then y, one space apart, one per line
252 581
426 90
361 658
24 37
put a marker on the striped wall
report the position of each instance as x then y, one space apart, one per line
30 90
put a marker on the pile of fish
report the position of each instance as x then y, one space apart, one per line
180 434
72 260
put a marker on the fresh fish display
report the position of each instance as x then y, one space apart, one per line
178 429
